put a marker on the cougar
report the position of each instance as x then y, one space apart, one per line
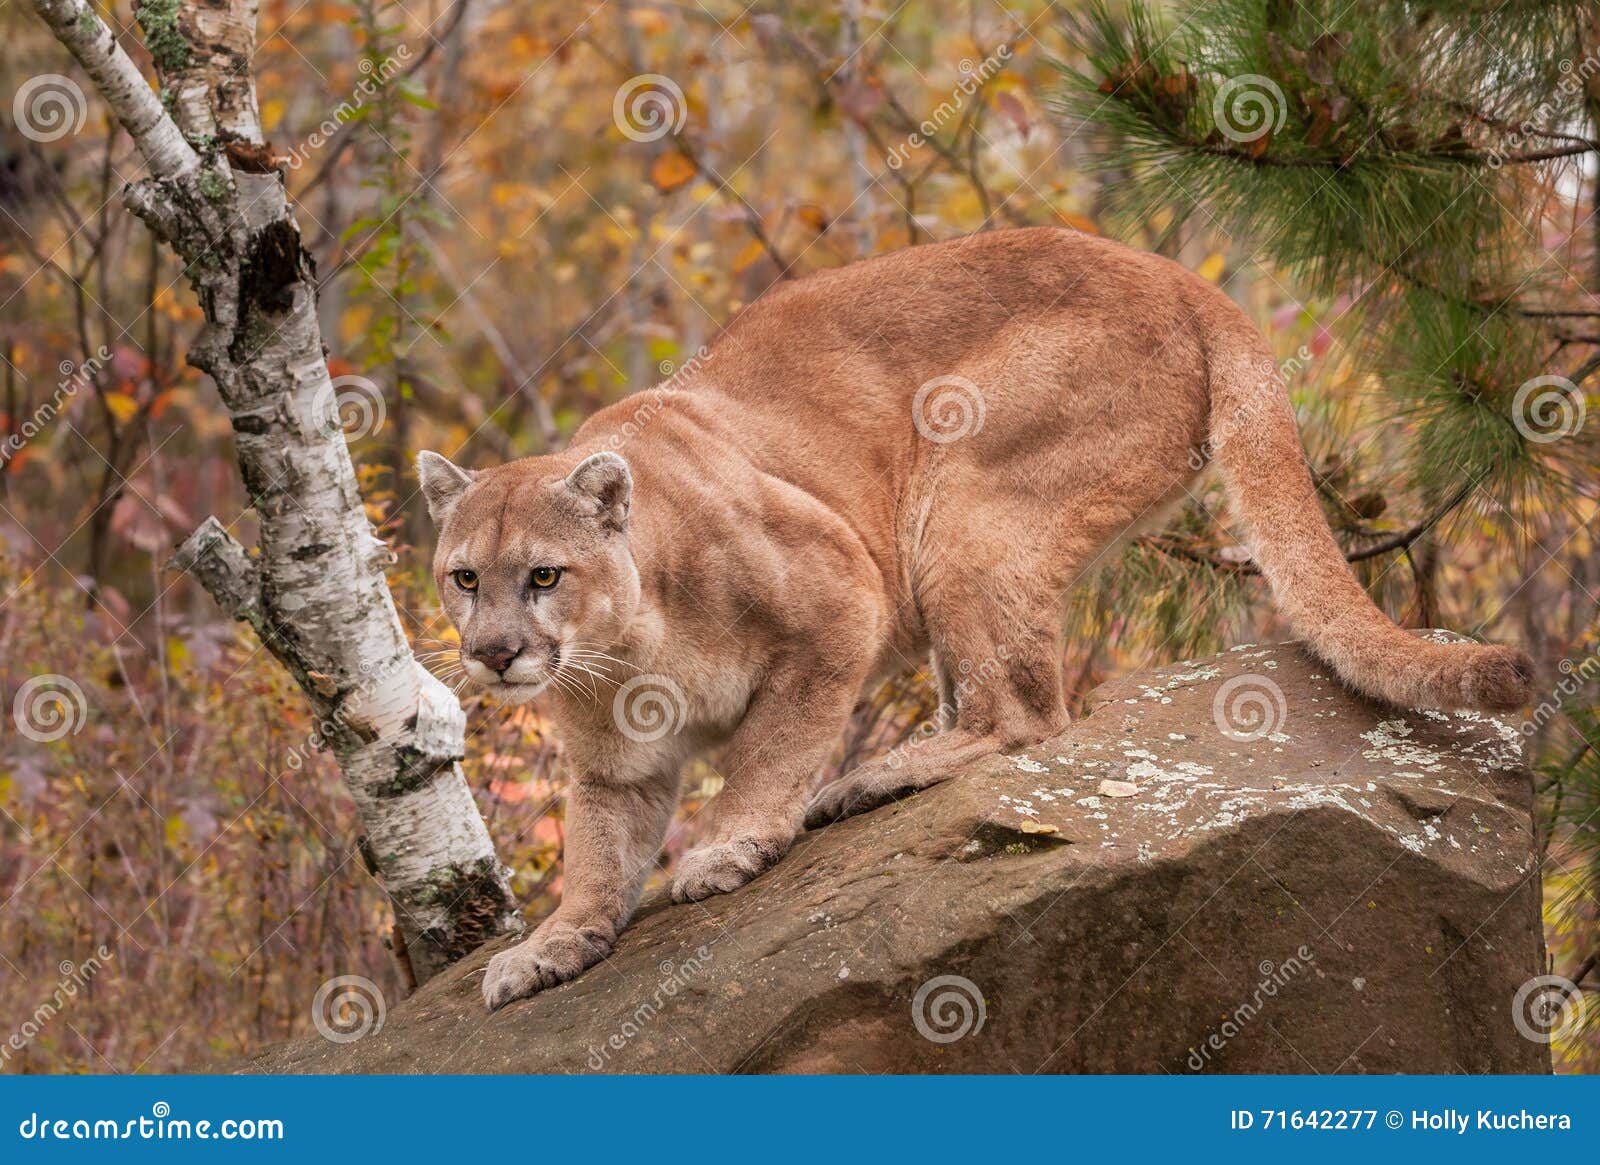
910 457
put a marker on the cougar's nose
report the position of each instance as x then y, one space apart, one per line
496 656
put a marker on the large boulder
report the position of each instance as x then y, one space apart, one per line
1229 865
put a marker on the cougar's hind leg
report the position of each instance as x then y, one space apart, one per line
997 658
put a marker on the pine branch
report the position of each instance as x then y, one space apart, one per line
1452 157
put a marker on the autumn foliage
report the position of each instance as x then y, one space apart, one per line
522 212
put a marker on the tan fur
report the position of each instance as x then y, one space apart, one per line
782 533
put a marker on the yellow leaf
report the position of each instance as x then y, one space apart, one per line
670 171
353 327
122 406
168 304
1029 825
1211 269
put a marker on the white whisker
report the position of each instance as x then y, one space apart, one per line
589 653
562 671
566 684
604 677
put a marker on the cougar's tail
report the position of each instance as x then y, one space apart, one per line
1255 441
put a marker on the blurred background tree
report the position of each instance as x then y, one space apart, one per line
521 212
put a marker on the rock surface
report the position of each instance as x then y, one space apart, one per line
1169 886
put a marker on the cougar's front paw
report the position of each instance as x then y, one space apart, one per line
723 866
545 959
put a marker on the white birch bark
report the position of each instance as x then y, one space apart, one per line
315 591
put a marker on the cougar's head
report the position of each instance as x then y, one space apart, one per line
533 564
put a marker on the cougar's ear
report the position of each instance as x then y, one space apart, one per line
443 483
603 479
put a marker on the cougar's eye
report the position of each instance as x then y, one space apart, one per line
467 580
545 577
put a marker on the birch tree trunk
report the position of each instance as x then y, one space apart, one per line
315 592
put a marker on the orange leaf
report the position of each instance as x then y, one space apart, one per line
159 405
1077 222
648 21
752 253
670 171
813 216
509 791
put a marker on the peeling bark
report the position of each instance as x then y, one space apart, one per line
315 591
